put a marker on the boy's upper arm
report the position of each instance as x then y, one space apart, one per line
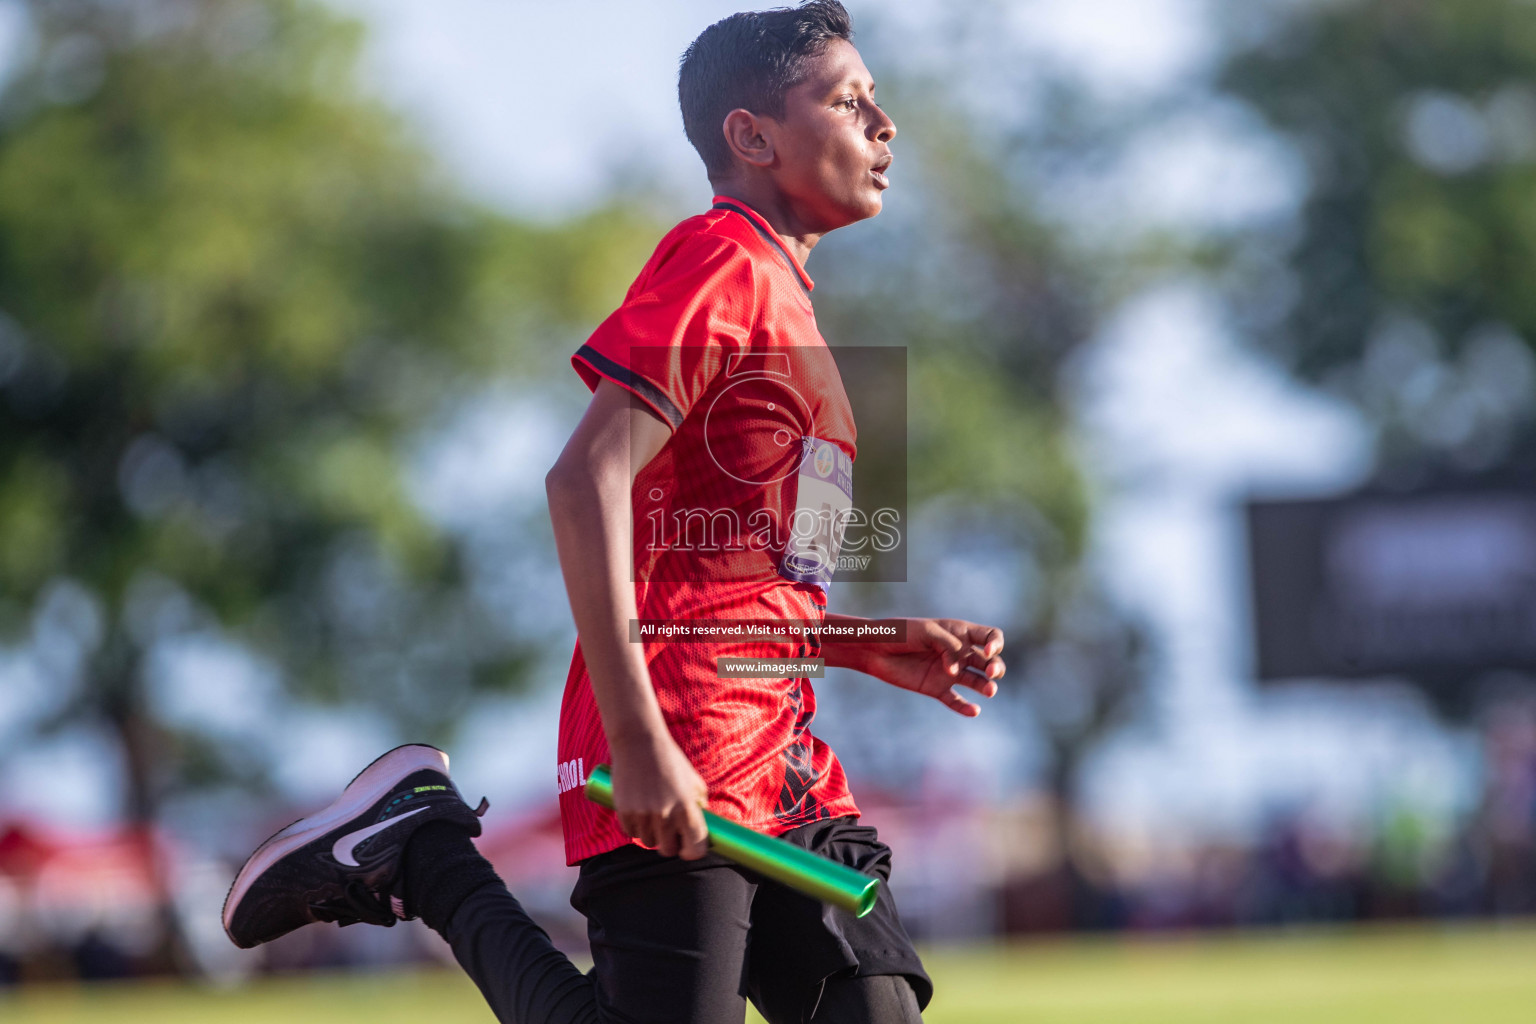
618 429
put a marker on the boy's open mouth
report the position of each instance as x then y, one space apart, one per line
878 173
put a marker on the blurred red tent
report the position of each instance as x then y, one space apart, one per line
76 880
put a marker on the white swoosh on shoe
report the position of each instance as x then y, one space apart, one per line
344 846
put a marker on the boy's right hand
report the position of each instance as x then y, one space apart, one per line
659 798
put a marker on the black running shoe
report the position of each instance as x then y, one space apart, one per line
343 864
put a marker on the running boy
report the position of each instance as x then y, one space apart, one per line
718 428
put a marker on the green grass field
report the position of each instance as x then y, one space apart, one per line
1477 975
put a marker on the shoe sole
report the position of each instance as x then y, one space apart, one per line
370 786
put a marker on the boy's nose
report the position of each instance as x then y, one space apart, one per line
885 128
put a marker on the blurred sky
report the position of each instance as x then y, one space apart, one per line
540 107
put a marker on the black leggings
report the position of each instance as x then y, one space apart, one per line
675 942
527 981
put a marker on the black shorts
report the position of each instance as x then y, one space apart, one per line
689 939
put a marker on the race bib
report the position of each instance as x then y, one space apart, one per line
823 503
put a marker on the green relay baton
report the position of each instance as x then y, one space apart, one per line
801 870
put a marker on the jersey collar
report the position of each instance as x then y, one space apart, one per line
771 236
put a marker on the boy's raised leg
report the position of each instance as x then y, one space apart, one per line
669 936
456 892
397 844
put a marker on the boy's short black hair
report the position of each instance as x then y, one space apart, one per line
750 60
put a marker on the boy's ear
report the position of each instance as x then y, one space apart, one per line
750 139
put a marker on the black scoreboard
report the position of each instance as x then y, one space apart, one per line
1437 586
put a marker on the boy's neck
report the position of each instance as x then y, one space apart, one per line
772 207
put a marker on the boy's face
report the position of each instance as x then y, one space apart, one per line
832 144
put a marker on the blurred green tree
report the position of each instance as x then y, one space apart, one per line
231 287
1404 282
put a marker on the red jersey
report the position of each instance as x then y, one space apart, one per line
717 335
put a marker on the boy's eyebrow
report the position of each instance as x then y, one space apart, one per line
850 83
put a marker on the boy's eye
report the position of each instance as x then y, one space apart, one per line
847 104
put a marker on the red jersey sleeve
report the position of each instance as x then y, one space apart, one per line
693 305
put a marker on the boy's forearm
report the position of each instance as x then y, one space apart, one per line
591 514
845 654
